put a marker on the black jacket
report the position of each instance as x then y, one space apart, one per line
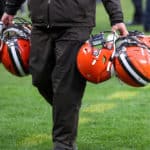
2 5
66 12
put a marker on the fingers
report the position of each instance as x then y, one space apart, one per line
121 28
7 19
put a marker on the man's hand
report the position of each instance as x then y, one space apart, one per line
121 28
7 19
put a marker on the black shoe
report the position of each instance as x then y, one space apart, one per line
133 23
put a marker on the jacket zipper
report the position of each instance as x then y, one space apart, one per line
48 16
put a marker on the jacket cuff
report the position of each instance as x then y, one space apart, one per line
117 18
11 8
116 21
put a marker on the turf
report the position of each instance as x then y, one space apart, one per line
113 116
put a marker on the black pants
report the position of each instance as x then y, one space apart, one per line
147 16
54 73
138 11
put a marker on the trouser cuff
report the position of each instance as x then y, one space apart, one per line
60 146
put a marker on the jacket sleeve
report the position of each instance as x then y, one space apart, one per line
114 10
2 4
11 6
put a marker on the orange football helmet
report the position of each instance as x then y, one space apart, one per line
16 48
132 61
94 62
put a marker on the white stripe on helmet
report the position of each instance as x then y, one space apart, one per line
131 70
16 60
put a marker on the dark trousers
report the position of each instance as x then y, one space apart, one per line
138 11
146 20
54 73
142 15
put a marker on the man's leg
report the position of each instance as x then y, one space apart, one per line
68 88
137 14
41 62
68 91
147 17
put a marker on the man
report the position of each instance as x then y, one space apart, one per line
138 13
59 28
146 19
141 15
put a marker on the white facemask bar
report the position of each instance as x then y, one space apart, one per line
15 58
130 69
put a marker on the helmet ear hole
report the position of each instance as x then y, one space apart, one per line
85 50
104 59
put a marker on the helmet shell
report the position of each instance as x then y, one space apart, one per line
92 63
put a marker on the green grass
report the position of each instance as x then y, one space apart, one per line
113 116
24 115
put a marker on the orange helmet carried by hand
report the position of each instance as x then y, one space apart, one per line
94 59
132 61
16 48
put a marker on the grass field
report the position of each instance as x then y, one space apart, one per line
113 116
